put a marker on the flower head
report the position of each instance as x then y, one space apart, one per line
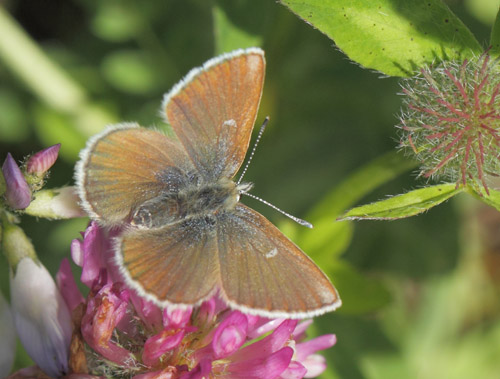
451 120
127 336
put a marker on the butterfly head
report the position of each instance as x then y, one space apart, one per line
243 188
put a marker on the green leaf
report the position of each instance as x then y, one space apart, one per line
493 199
495 36
359 293
392 36
406 205
228 36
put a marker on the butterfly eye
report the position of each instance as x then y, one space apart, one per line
142 218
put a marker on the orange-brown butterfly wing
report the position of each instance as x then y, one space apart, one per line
213 110
176 264
263 272
122 167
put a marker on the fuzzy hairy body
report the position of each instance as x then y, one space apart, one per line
186 196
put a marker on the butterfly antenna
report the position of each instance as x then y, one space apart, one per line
296 219
261 131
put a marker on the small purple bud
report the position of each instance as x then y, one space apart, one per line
17 192
39 163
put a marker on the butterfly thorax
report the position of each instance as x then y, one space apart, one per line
193 200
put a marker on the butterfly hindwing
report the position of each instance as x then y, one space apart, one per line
175 264
263 272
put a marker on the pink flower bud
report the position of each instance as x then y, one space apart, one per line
39 163
17 192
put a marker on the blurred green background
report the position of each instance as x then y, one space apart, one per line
420 295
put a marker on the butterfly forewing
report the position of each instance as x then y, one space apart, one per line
263 272
125 166
176 264
213 110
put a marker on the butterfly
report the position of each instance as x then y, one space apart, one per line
187 237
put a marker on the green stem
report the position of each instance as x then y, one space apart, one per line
26 60
15 244
53 86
